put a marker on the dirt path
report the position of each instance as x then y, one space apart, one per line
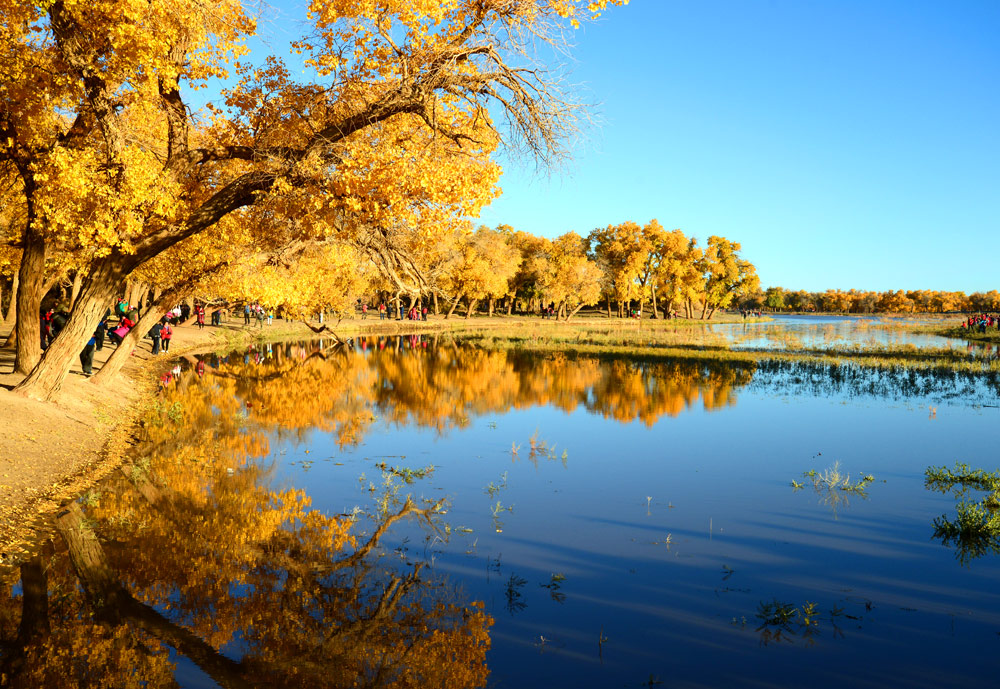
51 452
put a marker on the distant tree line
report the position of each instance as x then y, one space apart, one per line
892 301
624 268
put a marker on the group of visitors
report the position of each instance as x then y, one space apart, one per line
414 313
982 322
254 310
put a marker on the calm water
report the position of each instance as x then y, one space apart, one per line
413 512
796 331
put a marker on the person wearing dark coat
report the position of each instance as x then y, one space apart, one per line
154 335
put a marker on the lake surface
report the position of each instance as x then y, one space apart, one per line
417 512
799 331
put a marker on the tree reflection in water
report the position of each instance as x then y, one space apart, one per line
191 548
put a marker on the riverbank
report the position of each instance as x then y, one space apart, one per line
991 335
51 452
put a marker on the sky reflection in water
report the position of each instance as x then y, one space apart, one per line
635 545
718 483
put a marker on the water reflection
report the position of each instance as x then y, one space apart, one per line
196 557
191 553
416 380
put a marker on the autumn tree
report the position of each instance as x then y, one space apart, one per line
568 276
93 120
727 275
622 252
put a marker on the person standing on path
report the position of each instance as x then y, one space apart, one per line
166 332
154 334
87 356
199 310
246 314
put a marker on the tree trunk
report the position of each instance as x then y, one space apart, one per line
573 312
711 313
472 306
31 276
395 313
652 295
135 290
490 311
11 316
112 602
454 305
75 291
435 296
121 355
510 306
34 626
609 306
98 291
192 316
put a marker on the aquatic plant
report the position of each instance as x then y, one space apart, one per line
408 475
492 489
975 530
834 487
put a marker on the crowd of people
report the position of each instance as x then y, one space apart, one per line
119 320
982 322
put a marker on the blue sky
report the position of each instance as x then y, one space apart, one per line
848 144
844 144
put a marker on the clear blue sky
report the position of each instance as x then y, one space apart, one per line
845 143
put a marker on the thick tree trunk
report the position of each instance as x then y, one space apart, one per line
652 296
454 305
11 315
711 313
31 282
75 291
114 364
472 307
435 296
609 306
490 310
510 306
98 290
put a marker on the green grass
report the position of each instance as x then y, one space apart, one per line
703 346
975 529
